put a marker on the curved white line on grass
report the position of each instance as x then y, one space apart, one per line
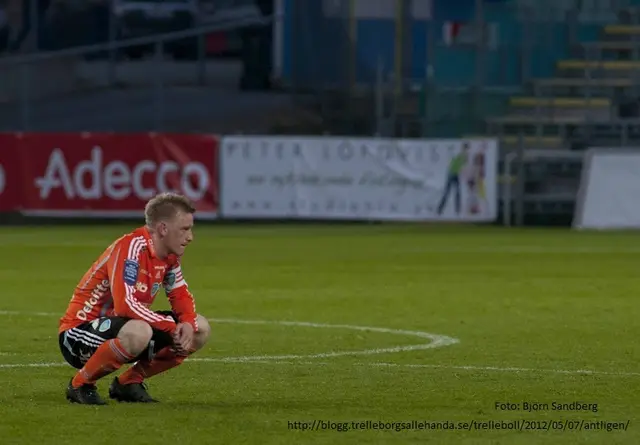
436 341
431 366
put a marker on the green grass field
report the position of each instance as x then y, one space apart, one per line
531 310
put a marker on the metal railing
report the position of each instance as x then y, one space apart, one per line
156 39
514 197
24 67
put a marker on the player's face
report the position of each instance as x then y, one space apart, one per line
179 233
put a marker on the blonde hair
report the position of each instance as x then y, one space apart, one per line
165 206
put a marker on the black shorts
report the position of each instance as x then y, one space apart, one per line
78 344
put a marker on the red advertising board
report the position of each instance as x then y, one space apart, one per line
102 175
10 194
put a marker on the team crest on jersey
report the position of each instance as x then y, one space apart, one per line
154 289
141 287
131 269
170 279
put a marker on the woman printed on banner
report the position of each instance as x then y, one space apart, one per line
475 174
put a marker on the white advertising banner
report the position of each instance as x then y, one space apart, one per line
359 179
609 190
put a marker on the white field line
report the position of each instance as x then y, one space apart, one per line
436 341
545 249
294 359
36 314
472 369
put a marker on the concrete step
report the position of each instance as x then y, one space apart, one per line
607 50
621 30
517 119
599 69
611 45
596 108
605 87
511 142
571 131
534 125
620 33
620 82
560 102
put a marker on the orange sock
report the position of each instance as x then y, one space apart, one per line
109 357
164 360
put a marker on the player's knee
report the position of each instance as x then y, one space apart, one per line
204 331
135 336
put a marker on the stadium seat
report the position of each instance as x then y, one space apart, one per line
591 100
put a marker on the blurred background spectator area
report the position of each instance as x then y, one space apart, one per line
69 23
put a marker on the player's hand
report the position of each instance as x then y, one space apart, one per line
183 338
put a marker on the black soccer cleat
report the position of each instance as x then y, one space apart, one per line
133 393
84 395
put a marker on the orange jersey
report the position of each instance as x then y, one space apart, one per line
124 282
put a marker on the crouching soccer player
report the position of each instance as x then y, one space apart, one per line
108 322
